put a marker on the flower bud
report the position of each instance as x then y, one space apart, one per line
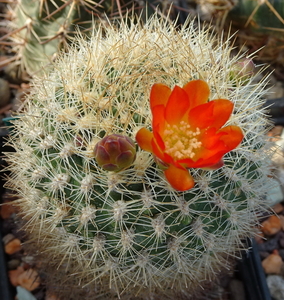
115 152
243 70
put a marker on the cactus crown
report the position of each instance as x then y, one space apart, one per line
130 232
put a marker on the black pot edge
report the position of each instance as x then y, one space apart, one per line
252 274
5 286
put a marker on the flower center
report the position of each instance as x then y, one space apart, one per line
181 141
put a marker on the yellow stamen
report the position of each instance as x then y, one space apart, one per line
180 140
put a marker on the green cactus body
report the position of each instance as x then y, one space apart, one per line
129 233
262 17
260 25
40 29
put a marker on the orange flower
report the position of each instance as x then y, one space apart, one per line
187 131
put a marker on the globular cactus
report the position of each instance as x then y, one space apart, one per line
135 232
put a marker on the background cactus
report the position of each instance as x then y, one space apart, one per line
262 25
258 24
39 29
102 234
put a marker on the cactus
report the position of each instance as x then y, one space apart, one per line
258 24
261 25
264 17
131 233
39 29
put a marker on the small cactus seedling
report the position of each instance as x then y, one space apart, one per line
160 217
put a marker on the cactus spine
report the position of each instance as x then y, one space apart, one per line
129 233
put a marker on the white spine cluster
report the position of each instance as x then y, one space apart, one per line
130 233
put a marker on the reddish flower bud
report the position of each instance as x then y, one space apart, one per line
115 152
243 70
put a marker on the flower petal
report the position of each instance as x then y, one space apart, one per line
214 113
225 140
207 162
218 165
211 139
177 106
157 151
159 95
144 139
159 141
232 137
158 121
179 179
198 92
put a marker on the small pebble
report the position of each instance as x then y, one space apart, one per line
5 93
276 286
281 239
281 253
7 238
272 264
271 226
6 210
13 264
282 221
23 294
28 259
13 246
14 275
269 245
29 280
263 254
278 208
